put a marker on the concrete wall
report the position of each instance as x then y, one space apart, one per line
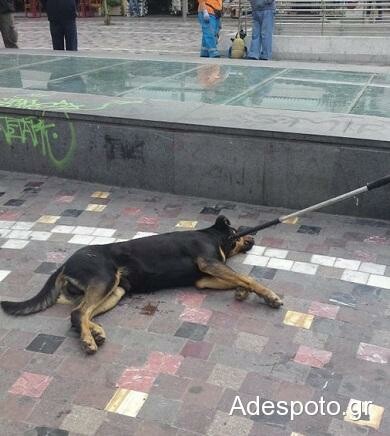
337 48
246 166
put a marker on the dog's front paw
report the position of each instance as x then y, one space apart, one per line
89 345
241 294
273 301
249 242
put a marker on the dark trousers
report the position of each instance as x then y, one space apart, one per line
64 31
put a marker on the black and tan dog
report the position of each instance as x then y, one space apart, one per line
96 277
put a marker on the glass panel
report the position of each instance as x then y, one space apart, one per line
374 101
11 61
303 96
329 76
381 79
208 84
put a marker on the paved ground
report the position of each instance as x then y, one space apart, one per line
169 36
175 360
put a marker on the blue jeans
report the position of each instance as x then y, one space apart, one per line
263 26
210 33
134 7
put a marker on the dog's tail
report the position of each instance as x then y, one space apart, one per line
45 298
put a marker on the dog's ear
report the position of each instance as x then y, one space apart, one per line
221 222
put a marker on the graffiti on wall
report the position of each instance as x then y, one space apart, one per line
37 102
42 135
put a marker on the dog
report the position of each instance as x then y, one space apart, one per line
96 277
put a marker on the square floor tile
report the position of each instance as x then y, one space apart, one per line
83 420
310 230
63 229
165 363
100 194
260 272
276 252
48 219
19 234
189 330
46 268
4 233
3 274
127 402
312 356
191 299
83 230
304 268
253 259
30 385
143 235
347 264
196 315
137 379
298 319
95 207
227 377
373 353
104 232
320 259
371 415
283 264
40 236
197 349
14 202
379 281
15 244
355 276
72 213
81 239
65 199
6 224
186 224
23 225
372 268
323 310
47 344
251 342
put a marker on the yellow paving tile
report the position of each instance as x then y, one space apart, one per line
126 402
358 409
298 319
95 207
48 219
100 194
187 224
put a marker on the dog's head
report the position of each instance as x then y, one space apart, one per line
230 244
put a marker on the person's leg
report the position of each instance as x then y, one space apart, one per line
57 35
204 52
71 35
212 36
254 49
8 31
267 29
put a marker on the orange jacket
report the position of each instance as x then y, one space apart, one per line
210 5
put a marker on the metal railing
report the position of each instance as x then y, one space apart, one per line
325 17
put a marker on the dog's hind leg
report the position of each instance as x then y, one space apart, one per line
232 279
95 294
109 303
